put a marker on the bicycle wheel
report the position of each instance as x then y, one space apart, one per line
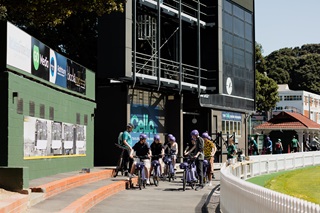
140 180
155 177
184 180
118 167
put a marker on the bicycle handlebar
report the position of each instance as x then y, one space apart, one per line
119 146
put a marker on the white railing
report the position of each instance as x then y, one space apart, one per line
238 195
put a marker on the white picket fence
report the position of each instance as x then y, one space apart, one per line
238 195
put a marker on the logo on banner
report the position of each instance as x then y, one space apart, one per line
36 57
53 67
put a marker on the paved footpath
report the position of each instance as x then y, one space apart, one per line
167 197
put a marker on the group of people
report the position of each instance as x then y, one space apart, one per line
268 146
199 148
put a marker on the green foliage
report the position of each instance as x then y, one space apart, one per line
68 27
267 93
297 67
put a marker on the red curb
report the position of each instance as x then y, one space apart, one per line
56 187
89 200
15 203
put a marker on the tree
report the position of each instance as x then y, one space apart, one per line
261 63
267 93
298 67
68 27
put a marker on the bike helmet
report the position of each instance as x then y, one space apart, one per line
156 137
130 125
205 135
143 136
268 138
194 132
172 138
170 135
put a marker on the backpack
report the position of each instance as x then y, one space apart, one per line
120 139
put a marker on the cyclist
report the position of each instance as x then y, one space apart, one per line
209 152
199 156
157 152
141 149
172 149
167 144
127 143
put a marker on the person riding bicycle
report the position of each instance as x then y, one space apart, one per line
172 149
209 152
167 144
142 150
199 156
157 152
127 144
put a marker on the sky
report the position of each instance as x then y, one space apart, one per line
286 23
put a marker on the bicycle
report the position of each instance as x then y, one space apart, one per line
169 167
156 170
189 172
120 164
139 166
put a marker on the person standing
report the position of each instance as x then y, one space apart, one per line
254 146
127 142
209 152
232 151
268 146
294 144
278 147
199 156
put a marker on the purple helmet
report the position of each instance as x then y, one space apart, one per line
156 137
194 132
172 138
170 135
205 135
143 136
268 138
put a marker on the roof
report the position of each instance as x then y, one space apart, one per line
289 121
283 87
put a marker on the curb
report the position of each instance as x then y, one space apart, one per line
15 203
89 200
21 202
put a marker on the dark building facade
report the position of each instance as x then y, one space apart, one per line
171 67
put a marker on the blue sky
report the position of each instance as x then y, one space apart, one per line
286 23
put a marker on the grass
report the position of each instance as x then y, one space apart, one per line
301 183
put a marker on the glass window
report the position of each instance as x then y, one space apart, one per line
248 46
227 37
224 127
248 17
238 12
228 126
248 31
238 27
227 6
227 22
227 53
238 42
239 57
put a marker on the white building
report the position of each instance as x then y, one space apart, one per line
303 102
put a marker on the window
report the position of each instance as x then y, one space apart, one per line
231 127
